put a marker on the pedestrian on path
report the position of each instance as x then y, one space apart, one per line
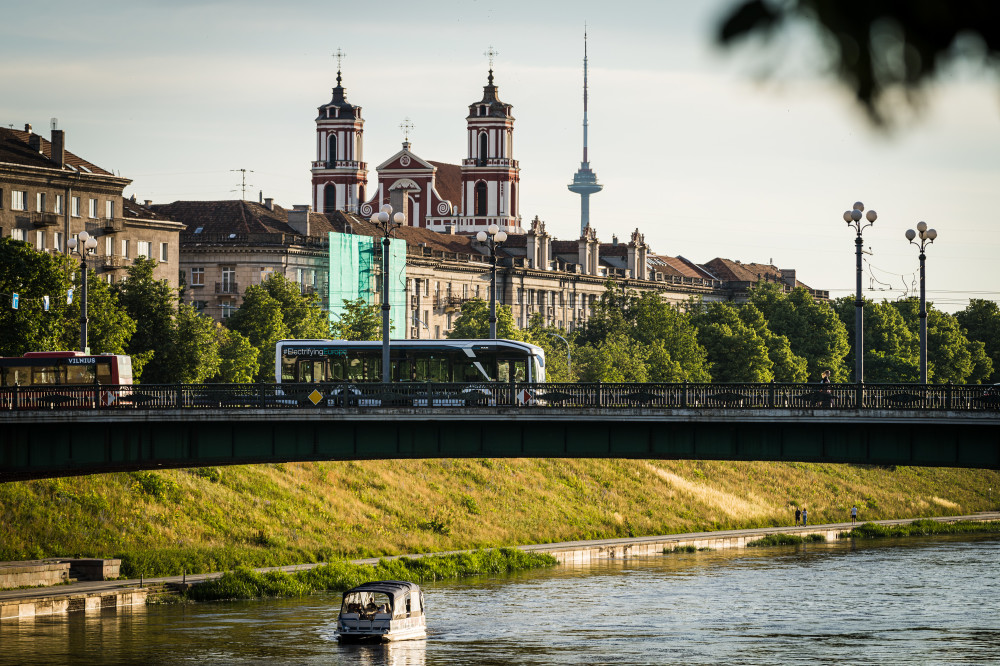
854 515
805 518
798 515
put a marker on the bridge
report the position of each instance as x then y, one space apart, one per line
63 431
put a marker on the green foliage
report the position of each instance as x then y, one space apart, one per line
474 322
359 321
891 352
152 304
153 485
196 351
951 357
275 310
614 359
32 275
109 326
237 357
921 528
554 342
244 583
814 330
981 323
736 352
786 540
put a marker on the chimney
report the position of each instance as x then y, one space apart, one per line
298 218
788 276
269 204
34 140
149 202
27 127
59 147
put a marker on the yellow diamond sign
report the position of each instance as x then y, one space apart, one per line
315 397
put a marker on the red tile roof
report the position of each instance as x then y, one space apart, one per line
448 181
14 149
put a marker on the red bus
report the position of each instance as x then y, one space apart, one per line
65 368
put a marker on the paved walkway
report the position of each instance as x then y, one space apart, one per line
91 587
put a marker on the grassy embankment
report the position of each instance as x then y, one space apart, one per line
214 519
921 528
245 583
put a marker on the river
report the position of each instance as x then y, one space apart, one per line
913 601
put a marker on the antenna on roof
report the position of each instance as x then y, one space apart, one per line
54 123
243 182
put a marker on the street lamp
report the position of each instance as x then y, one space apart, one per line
387 223
86 243
926 237
493 237
853 219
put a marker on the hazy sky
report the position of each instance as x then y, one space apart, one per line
691 147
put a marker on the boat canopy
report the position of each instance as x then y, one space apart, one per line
405 593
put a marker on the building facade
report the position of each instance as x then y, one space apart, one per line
49 195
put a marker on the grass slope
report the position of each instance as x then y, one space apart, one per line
210 519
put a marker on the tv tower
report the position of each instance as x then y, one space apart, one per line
585 181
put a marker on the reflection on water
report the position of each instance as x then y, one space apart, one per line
916 601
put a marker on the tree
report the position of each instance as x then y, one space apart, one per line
736 352
109 326
152 304
260 320
981 321
32 275
195 356
474 322
891 351
951 357
880 45
814 330
359 321
557 344
300 312
237 358
613 359
786 365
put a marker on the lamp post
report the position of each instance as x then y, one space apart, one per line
86 243
492 237
926 237
387 223
853 219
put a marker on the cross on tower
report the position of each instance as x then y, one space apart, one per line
339 55
491 53
406 126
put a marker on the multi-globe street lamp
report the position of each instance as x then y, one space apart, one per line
853 218
926 237
493 238
387 222
85 244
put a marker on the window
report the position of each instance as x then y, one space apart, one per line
481 198
144 249
40 201
93 209
572 300
124 244
17 234
483 144
228 279
427 287
39 240
59 204
198 277
109 246
57 243
519 295
477 291
19 200
109 209
448 328
76 207
227 310
465 292
331 153
1 198
437 332
163 252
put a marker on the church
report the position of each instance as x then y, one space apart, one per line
466 198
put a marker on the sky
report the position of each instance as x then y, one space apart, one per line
694 147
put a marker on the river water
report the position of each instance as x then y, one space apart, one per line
914 601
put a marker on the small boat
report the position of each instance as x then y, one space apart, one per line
382 611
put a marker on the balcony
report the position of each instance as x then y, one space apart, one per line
490 162
112 224
110 262
44 219
227 288
340 164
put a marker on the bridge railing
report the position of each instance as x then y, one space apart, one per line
748 396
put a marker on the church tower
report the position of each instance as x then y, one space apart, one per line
490 174
339 173
585 180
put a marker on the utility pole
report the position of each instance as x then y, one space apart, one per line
243 182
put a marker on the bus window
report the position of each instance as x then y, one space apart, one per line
337 373
432 370
402 370
80 374
466 371
42 375
305 373
104 373
512 369
503 371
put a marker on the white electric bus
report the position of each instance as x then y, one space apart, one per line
460 361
